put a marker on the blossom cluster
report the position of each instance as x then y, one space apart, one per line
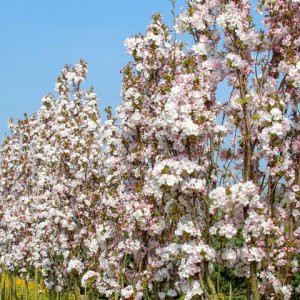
179 191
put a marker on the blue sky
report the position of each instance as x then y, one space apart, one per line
38 37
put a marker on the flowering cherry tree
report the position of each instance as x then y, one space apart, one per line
180 195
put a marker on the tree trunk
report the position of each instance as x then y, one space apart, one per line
253 281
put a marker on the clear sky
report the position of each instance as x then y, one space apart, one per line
38 37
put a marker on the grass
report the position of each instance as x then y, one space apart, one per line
14 288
